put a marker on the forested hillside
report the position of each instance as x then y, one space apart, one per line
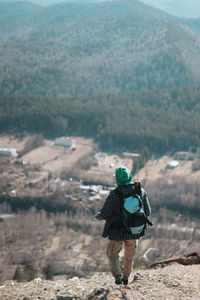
118 71
74 49
159 121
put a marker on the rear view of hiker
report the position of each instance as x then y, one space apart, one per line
121 227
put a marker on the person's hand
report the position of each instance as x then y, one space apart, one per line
98 215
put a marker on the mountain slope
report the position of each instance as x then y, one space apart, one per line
87 49
194 24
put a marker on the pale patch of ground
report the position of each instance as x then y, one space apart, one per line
67 159
43 154
9 141
156 169
50 157
57 158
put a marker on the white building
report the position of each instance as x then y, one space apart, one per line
8 152
128 154
172 164
65 142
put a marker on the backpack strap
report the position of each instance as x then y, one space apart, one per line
137 188
121 196
149 222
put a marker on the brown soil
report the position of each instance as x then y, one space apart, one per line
173 282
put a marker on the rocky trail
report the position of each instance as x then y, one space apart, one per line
171 281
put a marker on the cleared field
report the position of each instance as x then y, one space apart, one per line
59 159
68 158
44 154
156 169
55 159
12 142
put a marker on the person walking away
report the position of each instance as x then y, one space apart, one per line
115 228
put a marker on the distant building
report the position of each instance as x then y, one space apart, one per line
131 154
8 152
98 158
184 155
172 164
65 142
56 184
194 150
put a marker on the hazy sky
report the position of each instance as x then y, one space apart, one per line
180 8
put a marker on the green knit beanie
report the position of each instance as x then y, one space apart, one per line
123 176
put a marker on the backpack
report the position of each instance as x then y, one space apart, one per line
134 217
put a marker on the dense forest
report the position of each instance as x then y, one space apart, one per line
160 121
83 49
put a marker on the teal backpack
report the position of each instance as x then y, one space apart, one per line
134 217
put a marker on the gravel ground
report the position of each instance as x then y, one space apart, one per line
169 283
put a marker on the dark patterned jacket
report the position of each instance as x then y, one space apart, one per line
112 213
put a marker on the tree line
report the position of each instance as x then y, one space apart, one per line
159 121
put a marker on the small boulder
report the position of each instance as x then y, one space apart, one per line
111 293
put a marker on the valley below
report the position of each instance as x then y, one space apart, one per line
49 195
85 87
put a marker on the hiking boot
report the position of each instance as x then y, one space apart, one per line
118 279
125 280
